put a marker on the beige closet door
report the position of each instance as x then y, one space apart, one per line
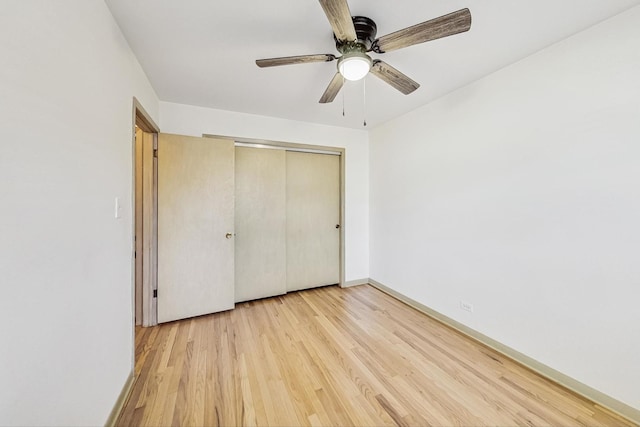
313 211
195 226
260 223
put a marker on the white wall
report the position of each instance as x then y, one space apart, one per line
196 121
67 81
520 193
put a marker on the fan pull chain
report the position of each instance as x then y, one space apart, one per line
343 96
364 100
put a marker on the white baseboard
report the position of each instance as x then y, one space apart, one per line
597 397
358 282
122 400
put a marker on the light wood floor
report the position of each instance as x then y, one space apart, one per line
334 356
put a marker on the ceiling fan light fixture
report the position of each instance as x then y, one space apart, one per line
354 65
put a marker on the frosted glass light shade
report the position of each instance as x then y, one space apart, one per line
354 66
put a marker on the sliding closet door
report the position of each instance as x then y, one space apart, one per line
313 211
260 223
195 226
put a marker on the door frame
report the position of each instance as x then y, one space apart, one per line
307 148
143 120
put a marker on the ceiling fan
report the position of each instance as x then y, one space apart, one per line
356 36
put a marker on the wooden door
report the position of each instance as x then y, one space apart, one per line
145 237
260 223
195 226
313 211
138 226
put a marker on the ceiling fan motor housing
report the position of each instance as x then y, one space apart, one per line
366 31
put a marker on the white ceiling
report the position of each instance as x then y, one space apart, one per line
202 53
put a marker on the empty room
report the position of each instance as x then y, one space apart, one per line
320 213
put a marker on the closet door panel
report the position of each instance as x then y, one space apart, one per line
313 211
260 216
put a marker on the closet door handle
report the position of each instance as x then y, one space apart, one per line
228 235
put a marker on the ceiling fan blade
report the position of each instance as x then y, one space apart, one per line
447 25
332 90
289 60
339 17
394 77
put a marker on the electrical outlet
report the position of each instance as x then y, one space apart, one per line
466 306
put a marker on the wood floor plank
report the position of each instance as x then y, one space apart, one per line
156 413
331 356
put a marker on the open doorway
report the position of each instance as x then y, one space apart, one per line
145 139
